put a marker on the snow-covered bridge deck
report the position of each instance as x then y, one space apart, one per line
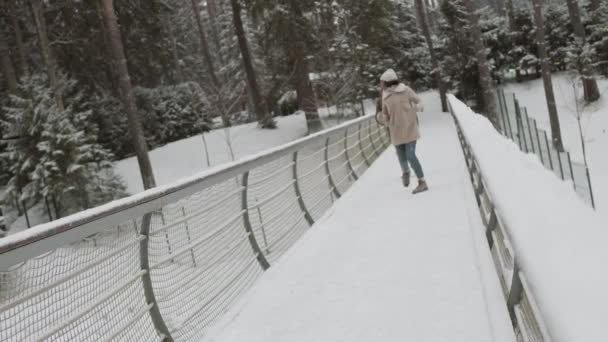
385 265
379 264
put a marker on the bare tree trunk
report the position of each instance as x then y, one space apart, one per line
430 19
179 74
212 11
434 62
262 113
546 72
47 54
120 62
215 83
485 77
7 66
510 14
306 95
23 66
590 88
68 13
575 20
111 68
204 45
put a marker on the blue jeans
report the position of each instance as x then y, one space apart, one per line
407 157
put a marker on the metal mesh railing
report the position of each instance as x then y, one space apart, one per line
164 265
516 124
522 307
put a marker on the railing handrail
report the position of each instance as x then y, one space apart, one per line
511 276
45 237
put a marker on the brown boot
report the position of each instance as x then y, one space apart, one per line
422 187
406 179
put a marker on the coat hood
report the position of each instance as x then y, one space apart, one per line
400 88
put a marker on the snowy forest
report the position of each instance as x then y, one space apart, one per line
85 83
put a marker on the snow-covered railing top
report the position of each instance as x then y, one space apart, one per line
164 264
550 248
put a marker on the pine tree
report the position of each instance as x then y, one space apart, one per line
485 74
458 64
429 41
556 134
172 113
523 38
598 39
126 90
263 115
497 37
560 38
45 48
286 24
52 154
360 51
583 65
410 52
7 65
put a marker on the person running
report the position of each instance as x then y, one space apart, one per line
399 106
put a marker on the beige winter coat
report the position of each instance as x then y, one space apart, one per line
399 105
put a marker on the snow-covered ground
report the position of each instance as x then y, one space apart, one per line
187 157
559 242
594 122
412 268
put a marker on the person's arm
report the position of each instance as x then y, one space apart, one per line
385 113
415 100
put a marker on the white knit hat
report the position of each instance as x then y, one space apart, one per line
389 75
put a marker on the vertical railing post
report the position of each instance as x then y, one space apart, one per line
517 122
571 171
508 116
25 214
257 251
540 150
362 108
529 130
348 162
296 185
188 235
502 112
146 278
491 227
561 166
362 150
515 292
548 151
590 186
330 179
520 127
262 227
167 241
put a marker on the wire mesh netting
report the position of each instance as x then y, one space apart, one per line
168 273
517 125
